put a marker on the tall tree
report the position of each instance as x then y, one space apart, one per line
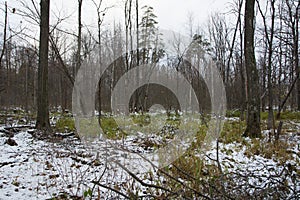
149 32
2 88
78 54
4 34
253 97
294 16
42 122
269 34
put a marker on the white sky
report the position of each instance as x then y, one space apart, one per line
172 14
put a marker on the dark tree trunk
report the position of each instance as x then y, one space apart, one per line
271 122
294 25
296 47
242 68
42 122
253 97
78 54
4 36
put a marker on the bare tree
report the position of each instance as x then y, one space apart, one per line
269 38
219 34
235 54
4 34
289 53
78 54
253 98
137 32
42 122
3 46
293 12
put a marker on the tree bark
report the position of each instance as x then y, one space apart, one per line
78 54
42 122
271 122
253 97
296 52
4 35
242 67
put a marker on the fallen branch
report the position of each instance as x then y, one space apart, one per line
110 188
172 177
142 182
6 163
12 162
18 127
4 131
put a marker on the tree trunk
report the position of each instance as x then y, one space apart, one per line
4 35
296 43
269 39
253 97
78 54
271 122
42 122
242 68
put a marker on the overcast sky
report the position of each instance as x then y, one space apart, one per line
172 14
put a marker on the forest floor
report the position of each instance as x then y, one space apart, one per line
62 167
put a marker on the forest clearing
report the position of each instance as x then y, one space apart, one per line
141 99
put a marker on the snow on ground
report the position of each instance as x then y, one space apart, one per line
37 169
21 169
257 170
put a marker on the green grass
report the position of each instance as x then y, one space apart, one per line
232 131
285 115
141 120
277 150
233 113
264 115
65 124
110 128
90 128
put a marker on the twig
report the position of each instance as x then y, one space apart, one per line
142 182
172 177
110 188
